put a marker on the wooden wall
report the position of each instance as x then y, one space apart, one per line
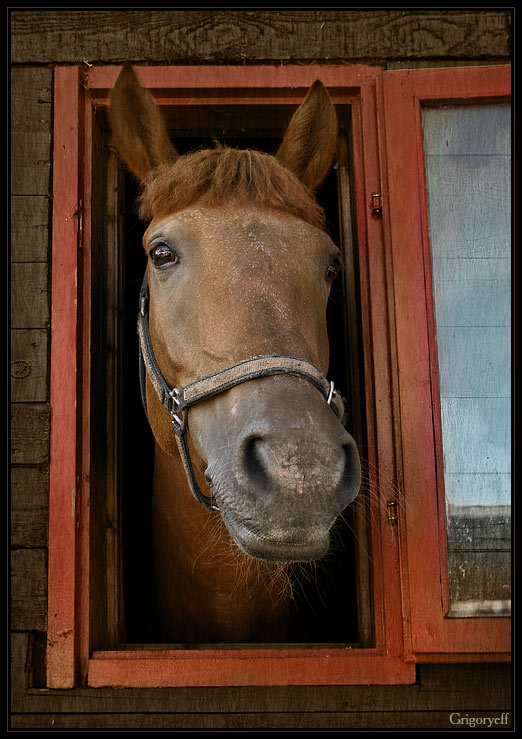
239 36
40 40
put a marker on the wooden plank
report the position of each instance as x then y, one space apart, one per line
30 113
30 433
29 295
489 690
18 663
31 101
30 163
28 589
390 719
29 228
447 680
202 668
30 130
439 687
29 366
380 450
65 403
31 87
219 36
29 506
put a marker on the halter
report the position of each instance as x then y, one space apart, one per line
177 401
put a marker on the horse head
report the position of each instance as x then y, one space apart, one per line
239 268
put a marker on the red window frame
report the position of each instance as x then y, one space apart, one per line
405 92
392 660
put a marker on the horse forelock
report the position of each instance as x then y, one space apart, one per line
215 177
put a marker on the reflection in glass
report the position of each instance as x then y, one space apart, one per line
468 174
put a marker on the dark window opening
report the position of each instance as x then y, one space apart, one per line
326 602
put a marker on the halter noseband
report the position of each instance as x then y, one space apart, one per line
177 401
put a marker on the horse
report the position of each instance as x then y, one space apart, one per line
252 465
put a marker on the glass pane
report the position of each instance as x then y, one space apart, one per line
468 171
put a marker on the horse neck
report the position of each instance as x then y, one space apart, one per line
206 589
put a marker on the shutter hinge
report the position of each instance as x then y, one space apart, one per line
392 511
79 215
376 204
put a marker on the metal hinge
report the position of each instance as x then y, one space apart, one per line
79 214
392 511
376 204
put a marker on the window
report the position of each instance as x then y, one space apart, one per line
468 185
448 136
94 637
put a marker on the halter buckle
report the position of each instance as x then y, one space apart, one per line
178 422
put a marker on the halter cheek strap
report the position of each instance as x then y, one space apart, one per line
178 401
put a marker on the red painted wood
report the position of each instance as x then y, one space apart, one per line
63 484
380 416
246 667
84 362
420 433
379 455
399 412
357 86
216 83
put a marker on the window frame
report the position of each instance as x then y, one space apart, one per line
71 659
434 636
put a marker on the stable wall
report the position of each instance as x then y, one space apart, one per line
39 41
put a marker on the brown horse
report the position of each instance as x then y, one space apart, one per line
239 268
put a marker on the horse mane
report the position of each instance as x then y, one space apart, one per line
213 177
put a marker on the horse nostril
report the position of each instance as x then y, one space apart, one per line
256 462
351 479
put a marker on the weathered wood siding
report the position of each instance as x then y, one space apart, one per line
232 36
442 690
41 39
31 94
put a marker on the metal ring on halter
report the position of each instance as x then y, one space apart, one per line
331 393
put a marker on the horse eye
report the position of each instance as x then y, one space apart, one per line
162 256
333 269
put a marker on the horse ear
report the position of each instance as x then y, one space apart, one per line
308 147
138 128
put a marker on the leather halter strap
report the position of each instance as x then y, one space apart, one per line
177 401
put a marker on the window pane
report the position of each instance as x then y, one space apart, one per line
468 171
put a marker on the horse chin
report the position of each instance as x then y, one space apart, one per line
281 548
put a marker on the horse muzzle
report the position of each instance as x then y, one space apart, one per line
280 472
